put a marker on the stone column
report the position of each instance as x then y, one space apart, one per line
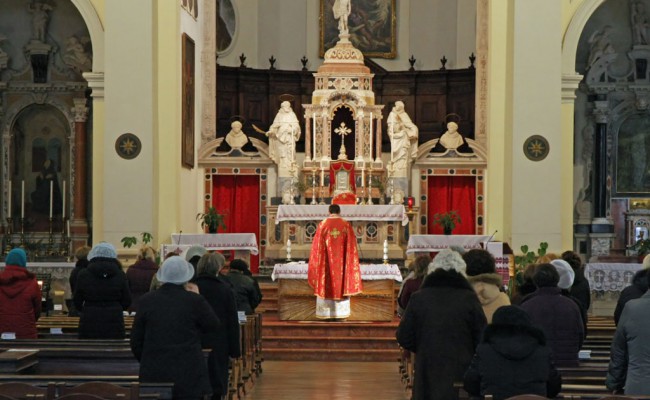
601 116
308 138
80 112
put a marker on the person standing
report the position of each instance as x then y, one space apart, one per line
246 289
140 275
101 295
334 271
482 275
81 254
167 330
20 297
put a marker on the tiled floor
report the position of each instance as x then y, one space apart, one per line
306 380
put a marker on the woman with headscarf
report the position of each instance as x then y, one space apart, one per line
102 295
20 297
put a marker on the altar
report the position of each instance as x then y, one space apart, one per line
296 300
435 243
244 244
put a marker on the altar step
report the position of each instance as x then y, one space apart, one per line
328 341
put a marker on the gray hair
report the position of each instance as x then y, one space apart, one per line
210 264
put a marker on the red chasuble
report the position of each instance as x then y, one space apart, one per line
334 260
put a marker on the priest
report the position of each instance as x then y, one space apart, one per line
334 271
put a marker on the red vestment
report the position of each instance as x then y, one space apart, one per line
334 271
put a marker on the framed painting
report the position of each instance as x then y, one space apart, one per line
188 99
371 25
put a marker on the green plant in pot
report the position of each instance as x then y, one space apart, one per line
447 221
211 219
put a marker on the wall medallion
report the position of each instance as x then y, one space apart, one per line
536 148
128 146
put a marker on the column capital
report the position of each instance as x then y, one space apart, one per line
96 83
570 83
80 111
601 111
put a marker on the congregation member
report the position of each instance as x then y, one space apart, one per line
567 277
140 275
527 285
225 342
629 365
81 255
512 359
102 295
442 325
637 289
558 316
412 285
410 273
167 331
580 288
482 275
247 292
20 297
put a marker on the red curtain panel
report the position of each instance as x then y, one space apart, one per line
447 193
238 198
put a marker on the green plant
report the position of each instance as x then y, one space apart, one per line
642 246
380 184
130 241
524 260
447 221
211 219
300 186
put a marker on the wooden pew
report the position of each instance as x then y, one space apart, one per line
161 391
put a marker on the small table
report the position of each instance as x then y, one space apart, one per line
244 244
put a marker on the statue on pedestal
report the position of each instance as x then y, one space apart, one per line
40 19
283 135
342 10
403 136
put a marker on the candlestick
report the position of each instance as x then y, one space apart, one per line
370 137
288 249
63 203
322 176
9 201
68 227
385 251
51 197
22 200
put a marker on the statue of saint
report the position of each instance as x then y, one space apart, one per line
639 22
600 45
342 9
236 138
452 140
40 20
283 135
75 55
403 136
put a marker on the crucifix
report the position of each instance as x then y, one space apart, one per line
343 130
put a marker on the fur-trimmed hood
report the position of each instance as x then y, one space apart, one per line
490 278
514 342
443 278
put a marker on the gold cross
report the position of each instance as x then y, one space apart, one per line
335 233
343 130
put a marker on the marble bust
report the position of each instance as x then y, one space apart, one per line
236 138
452 140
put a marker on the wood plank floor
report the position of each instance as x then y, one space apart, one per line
314 380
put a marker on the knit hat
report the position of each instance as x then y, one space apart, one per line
448 260
567 275
17 257
103 250
510 315
195 251
175 270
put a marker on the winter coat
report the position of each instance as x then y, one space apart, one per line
139 276
512 360
411 286
560 319
225 342
20 302
487 289
79 265
442 325
102 294
629 366
166 339
638 287
247 295
581 290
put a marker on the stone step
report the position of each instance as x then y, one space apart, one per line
329 342
332 329
320 354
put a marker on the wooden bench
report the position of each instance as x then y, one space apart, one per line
54 383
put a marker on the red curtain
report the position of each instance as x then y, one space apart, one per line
238 198
448 193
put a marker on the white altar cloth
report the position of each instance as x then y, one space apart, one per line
58 270
610 277
216 241
369 272
306 212
431 243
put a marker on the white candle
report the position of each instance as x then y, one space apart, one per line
288 243
63 203
9 200
68 226
363 176
370 136
51 197
322 176
314 135
22 200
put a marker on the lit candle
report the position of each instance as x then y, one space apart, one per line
322 176
370 136
22 200
63 203
9 200
51 197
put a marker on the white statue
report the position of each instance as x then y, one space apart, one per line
639 21
236 138
600 45
40 19
342 9
283 135
403 136
75 55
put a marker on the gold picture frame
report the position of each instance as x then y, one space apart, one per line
372 27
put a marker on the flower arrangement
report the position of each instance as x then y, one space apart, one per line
447 221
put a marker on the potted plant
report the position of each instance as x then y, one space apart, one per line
642 248
522 261
447 221
130 241
211 219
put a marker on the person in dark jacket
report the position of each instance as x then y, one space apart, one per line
20 297
247 292
512 359
225 342
527 286
442 325
637 289
167 330
140 274
557 315
101 295
412 285
580 288
567 276
81 254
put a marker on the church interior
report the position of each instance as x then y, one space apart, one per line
233 124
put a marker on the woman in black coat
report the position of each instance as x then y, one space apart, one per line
512 359
637 289
442 325
101 295
167 330
225 342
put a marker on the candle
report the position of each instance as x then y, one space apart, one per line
63 203
322 176
370 136
9 200
363 176
314 135
51 197
22 200
288 243
68 226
